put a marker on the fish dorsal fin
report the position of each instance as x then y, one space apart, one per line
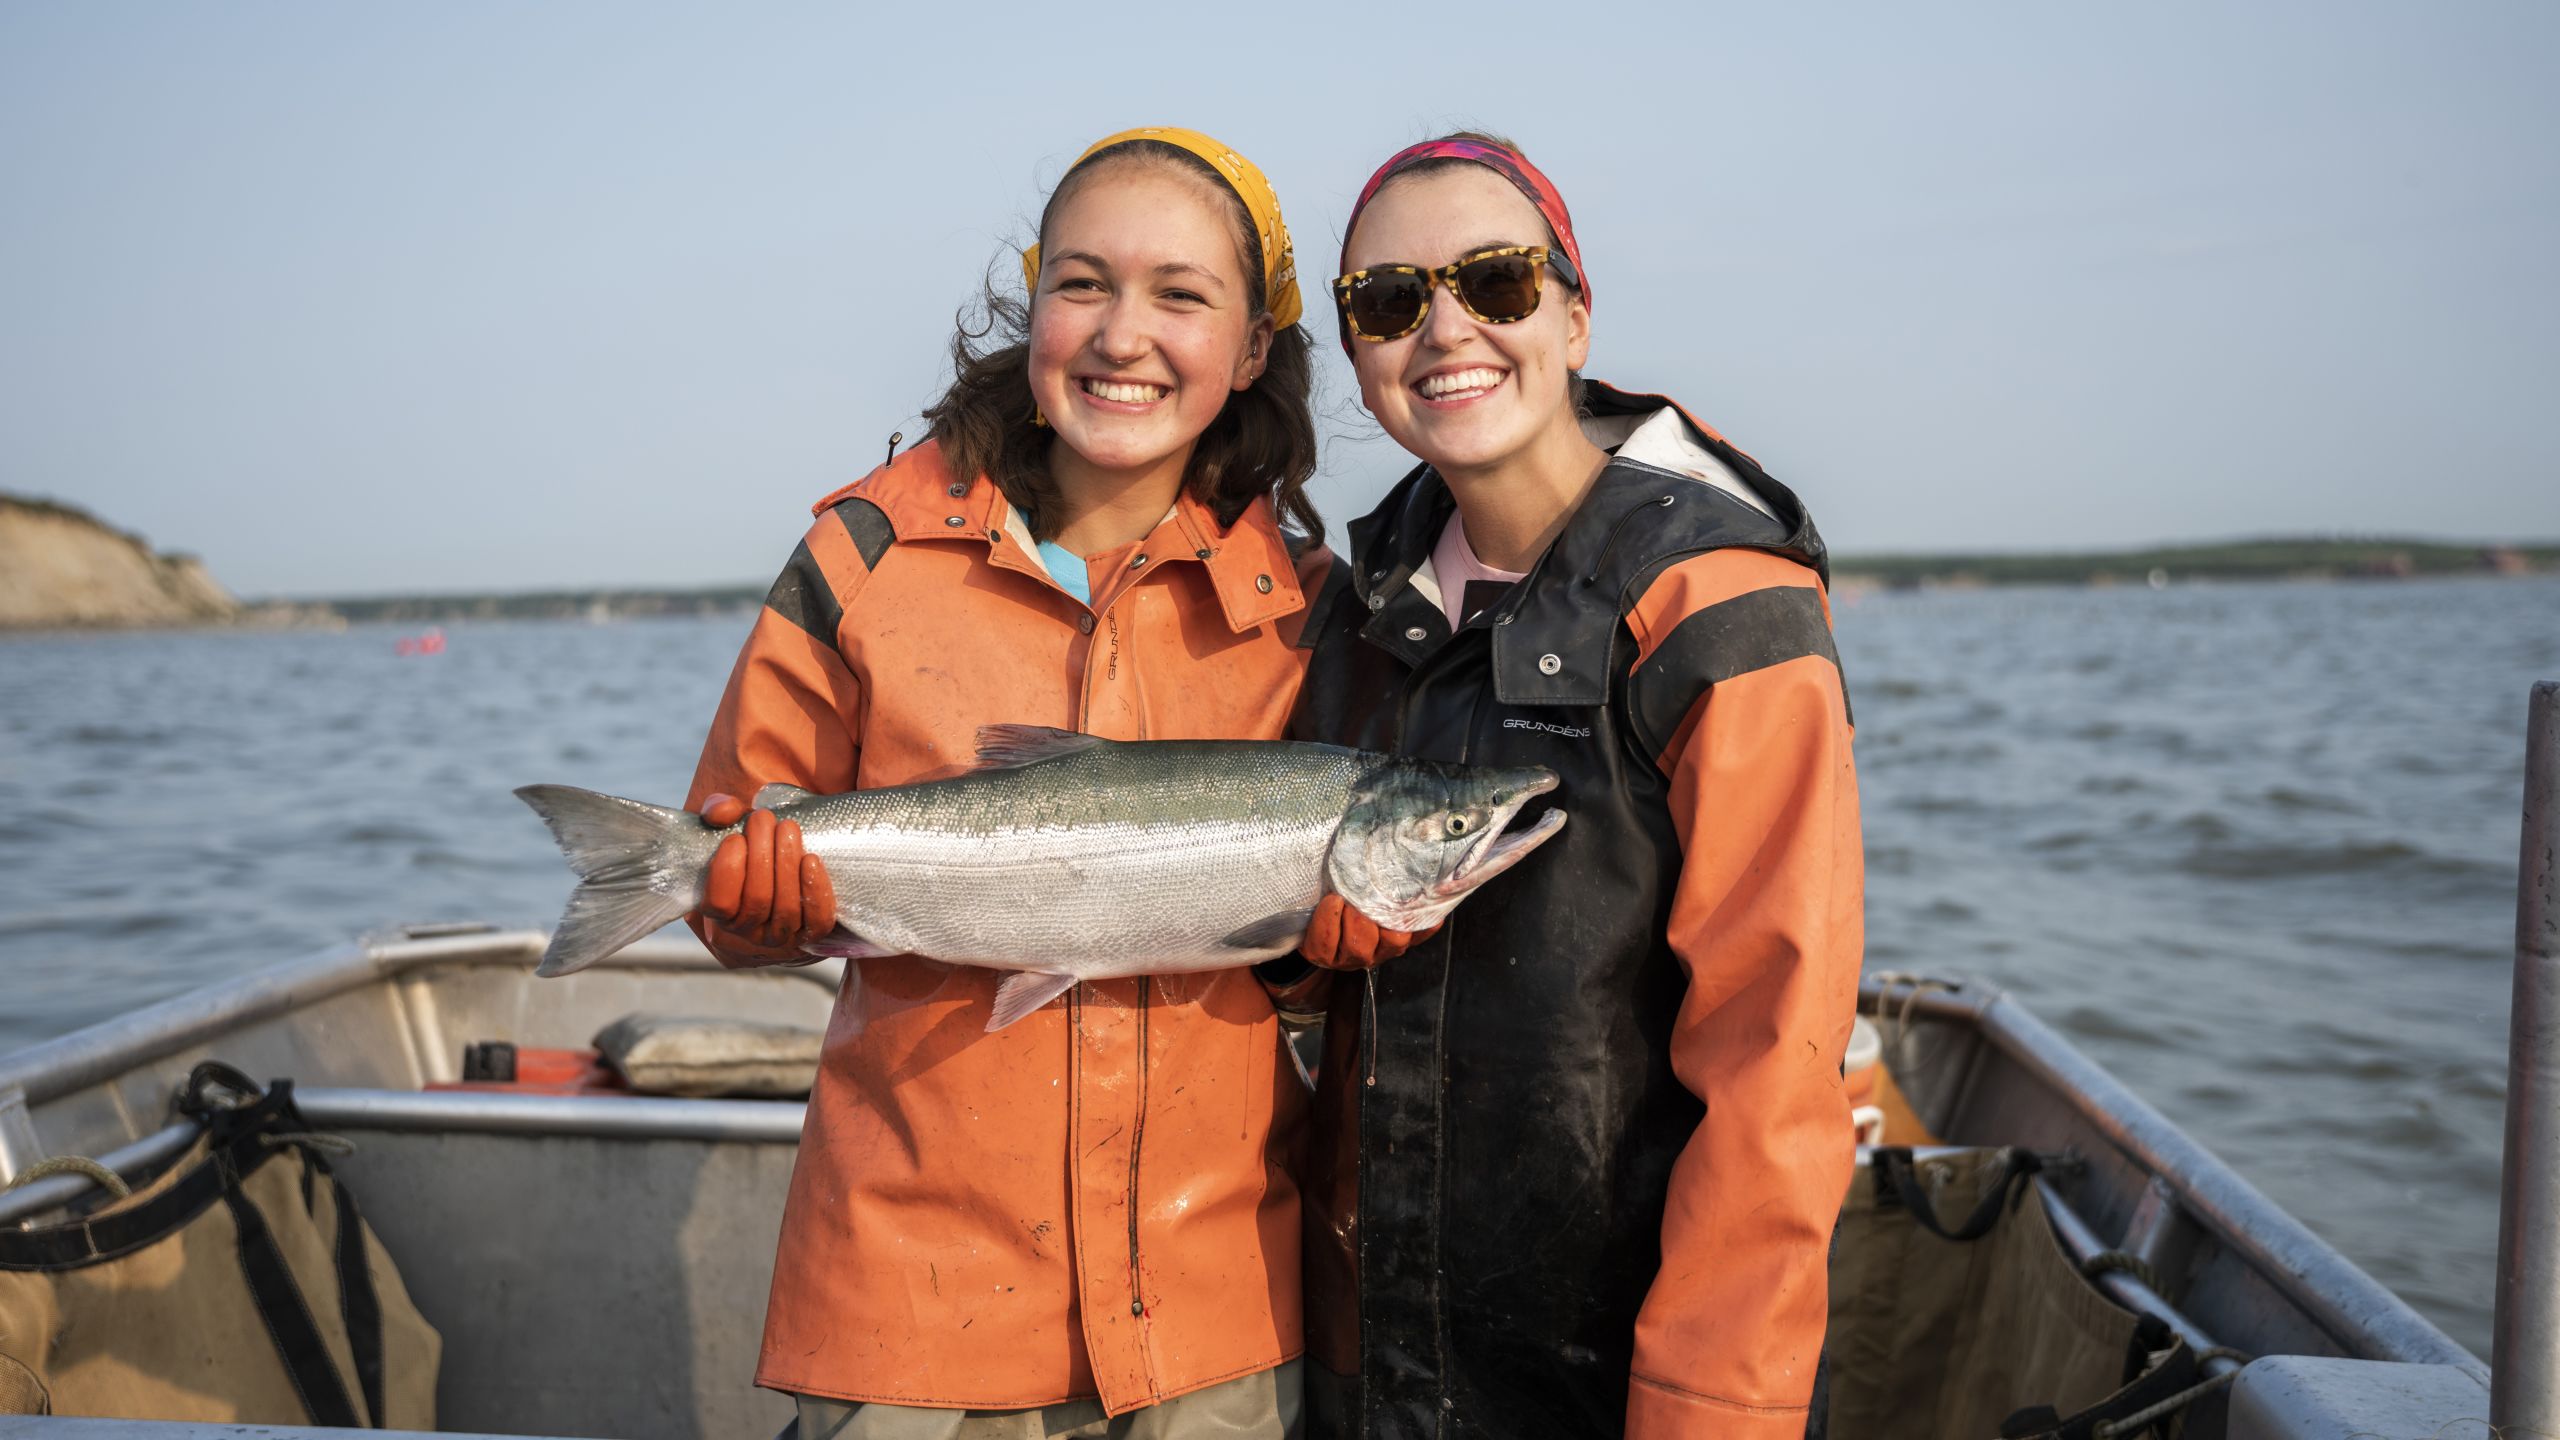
1025 991
1003 746
777 795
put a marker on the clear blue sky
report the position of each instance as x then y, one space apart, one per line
462 295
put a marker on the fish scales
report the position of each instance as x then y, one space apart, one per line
1092 863
1068 857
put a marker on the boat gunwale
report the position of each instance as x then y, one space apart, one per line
2364 1317
97 1053
2353 1308
617 1117
21 1204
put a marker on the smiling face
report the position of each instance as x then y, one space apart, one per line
1143 320
1464 395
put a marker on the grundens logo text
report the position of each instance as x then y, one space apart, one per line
1570 732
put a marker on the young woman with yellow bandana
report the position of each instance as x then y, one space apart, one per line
1080 1224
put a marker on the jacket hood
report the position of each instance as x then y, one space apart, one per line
1551 633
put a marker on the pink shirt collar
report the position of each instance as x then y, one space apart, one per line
1454 564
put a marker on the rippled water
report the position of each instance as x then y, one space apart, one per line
2252 847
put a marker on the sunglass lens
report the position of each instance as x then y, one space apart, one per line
1501 288
1383 307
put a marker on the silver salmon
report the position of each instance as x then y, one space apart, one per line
1067 857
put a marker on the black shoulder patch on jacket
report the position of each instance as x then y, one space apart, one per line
869 526
1734 637
801 595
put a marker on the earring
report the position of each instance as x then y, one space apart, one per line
1038 420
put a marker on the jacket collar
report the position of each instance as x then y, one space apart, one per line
1552 634
1248 564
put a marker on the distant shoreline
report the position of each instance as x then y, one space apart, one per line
2297 560
2243 560
2381 558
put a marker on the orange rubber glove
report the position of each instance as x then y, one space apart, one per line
1339 937
763 888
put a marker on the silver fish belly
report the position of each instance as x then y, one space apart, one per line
1067 857
1095 863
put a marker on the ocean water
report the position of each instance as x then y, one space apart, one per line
2252 847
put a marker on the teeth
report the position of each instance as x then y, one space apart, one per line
1458 382
1126 393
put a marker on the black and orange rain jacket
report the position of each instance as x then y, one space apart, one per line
1578 1173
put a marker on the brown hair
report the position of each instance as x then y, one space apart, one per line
1263 442
1573 382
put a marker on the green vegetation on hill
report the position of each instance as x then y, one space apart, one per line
2271 559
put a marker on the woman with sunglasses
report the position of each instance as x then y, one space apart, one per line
1085 1214
1576 1172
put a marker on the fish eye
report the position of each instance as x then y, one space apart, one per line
1457 824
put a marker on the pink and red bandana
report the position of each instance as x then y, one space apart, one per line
1511 165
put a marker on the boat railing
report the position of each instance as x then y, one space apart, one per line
102 1052
2186 1189
171 1031
142 1157
2524 1389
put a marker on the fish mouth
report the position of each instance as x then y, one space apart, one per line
1499 851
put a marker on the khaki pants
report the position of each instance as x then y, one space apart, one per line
1262 1406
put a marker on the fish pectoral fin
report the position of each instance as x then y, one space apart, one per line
1286 928
1002 747
1025 991
777 795
843 944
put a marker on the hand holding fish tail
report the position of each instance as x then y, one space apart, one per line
1339 937
763 888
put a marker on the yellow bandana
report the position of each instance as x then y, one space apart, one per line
1279 263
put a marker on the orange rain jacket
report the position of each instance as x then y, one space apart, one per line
1577 1173
1094 1201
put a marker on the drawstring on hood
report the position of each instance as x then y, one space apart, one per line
1602 563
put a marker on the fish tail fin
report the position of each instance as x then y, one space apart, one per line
635 871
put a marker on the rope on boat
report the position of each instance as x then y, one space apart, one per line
1893 1029
104 1178
1919 985
2126 1261
2141 1420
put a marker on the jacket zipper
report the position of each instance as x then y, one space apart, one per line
1440 1198
1137 1137
1440 1176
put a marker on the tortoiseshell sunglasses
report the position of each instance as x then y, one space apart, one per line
1389 302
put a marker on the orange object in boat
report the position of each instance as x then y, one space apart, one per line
500 1065
1861 1076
